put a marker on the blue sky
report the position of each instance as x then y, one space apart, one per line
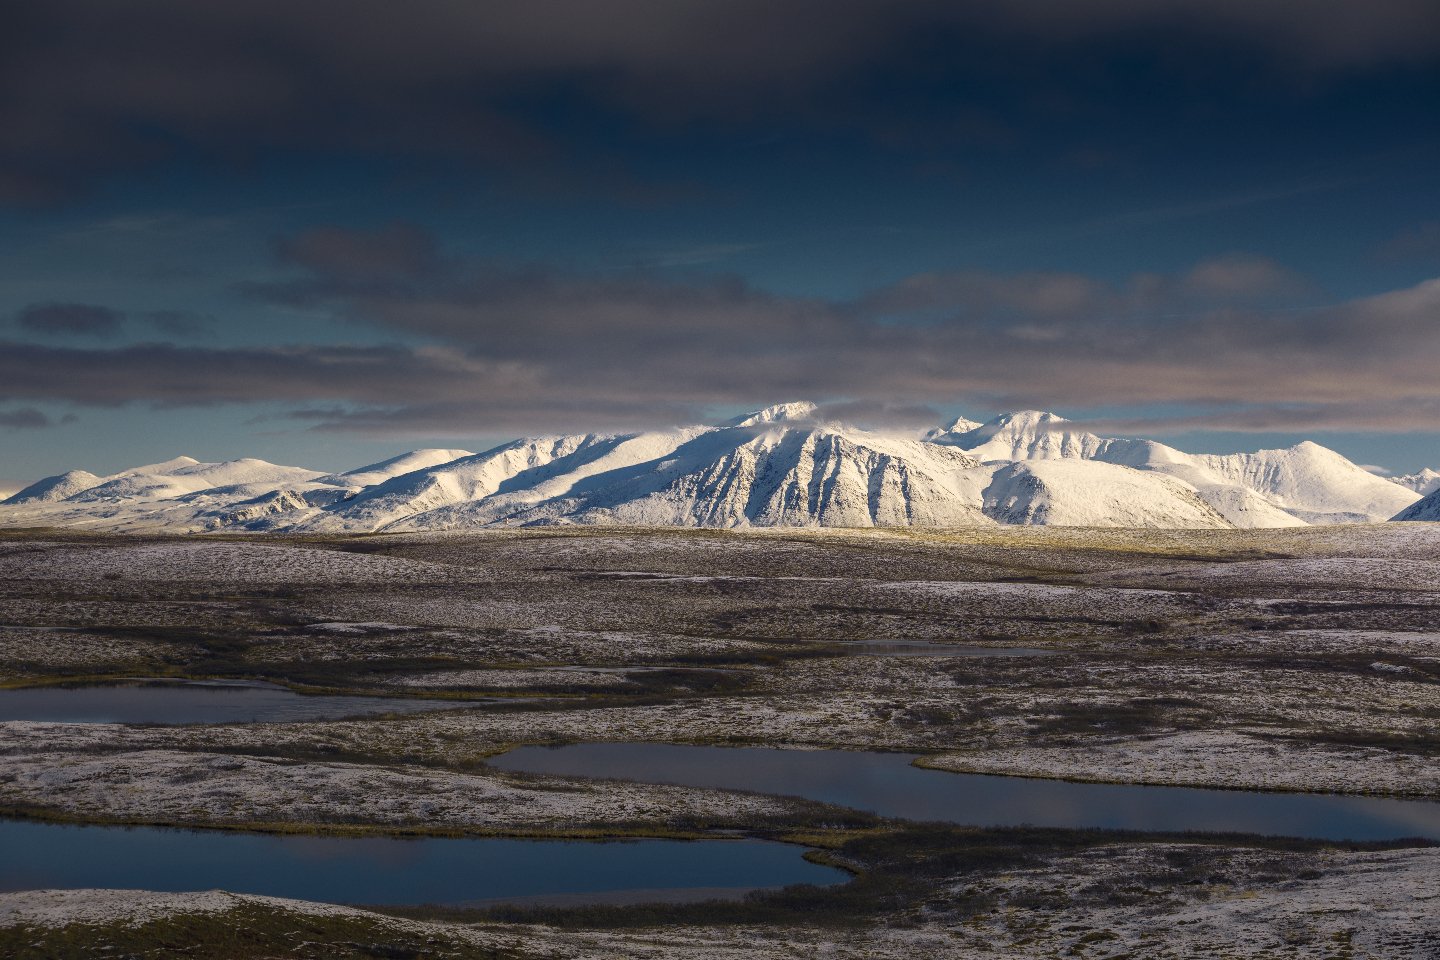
325 235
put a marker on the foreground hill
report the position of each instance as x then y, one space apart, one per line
781 466
1426 509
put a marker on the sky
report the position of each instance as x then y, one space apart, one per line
325 233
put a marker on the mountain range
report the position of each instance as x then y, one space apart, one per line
785 465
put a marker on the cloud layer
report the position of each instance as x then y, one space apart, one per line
91 87
70 320
479 348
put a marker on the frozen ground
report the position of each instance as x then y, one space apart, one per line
171 786
1164 901
240 564
1296 659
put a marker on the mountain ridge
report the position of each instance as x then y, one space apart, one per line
784 465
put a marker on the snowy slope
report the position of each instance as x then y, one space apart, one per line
800 411
1427 509
784 465
181 494
55 488
471 479
1313 483
1241 505
371 474
1025 435
757 471
1303 484
773 467
183 475
1425 482
1081 493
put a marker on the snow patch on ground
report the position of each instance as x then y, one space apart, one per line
168 786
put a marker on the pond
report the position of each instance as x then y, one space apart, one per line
887 784
383 870
197 701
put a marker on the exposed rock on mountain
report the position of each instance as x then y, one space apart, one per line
1425 482
1427 509
784 465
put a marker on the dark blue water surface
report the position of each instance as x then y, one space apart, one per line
393 871
196 701
887 784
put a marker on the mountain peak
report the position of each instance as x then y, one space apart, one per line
55 488
796 410
781 465
957 427
1026 435
1023 421
1424 482
167 466
1014 423
961 425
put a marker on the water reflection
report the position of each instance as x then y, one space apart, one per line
379 870
888 784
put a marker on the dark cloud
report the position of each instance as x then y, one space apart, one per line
1244 278
534 349
398 252
24 418
170 375
89 87
70 320
1420 243
180 324
1395 415
879 413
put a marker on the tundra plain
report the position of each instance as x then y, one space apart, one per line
1303 659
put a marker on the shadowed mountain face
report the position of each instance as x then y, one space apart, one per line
1427 509
781 466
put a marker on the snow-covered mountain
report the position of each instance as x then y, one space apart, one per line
1306 483
179 494
176 478
1026 435
771 468
1425 482
374 473
781 466
1087 493
60 487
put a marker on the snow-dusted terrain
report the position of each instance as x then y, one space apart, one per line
1298 659
781 466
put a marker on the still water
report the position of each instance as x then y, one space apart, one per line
887 784
380 870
